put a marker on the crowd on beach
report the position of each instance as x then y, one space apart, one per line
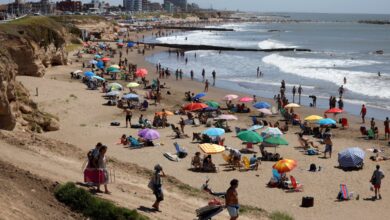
198 112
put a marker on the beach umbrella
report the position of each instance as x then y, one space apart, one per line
89 74
276 140
326 121
250 137
143 131
97 56
265 111
230 97
100 64
150 134
141 72
115 86
105 59
285 165
292 105
260 105
245 99
213 104
77 71
211 148
115 66
199 95
351 157
255 127
334 110
115 71
313 118
120 44
110 69
167 113
130 44
98 78
131 96
214 132
195 106
93 62
209 109
226 117
113 93
272 132
132 85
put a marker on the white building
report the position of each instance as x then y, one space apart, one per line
132 5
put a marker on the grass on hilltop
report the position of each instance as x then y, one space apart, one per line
277 215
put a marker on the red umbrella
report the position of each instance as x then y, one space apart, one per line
195 106
141 72
334 110
105 59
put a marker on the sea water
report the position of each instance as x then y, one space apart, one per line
341 47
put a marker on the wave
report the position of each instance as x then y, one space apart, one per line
332 70
265 82
273 44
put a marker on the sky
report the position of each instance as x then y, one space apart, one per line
323 6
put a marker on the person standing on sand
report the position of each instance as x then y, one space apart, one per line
372 124
363 113
177 74
341 91
231 200
206 85
102 164
129 114
341 103
294 90
300 90
203 74
376 181
157 186
328 143
214 75
182 124
181 74
387 128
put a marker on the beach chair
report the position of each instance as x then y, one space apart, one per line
227 158
343 194
180 152
246 164
295 187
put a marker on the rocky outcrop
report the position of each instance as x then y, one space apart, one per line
28 49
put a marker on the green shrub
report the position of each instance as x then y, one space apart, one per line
82 201
277 215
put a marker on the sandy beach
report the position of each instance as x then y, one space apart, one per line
84 121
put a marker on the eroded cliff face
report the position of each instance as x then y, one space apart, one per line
27 50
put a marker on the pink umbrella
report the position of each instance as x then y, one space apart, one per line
230 97
226 117
245 99
141 72
265 111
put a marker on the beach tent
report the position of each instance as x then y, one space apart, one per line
260 105
213 132
211 148
351 157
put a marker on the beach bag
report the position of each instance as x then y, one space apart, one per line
115 123
313 168
307 202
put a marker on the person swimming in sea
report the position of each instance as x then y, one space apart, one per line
379 73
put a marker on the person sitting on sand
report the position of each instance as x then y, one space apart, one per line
124 140
208 165
196 161
254 163
305 142
236 157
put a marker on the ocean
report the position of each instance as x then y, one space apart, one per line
341 47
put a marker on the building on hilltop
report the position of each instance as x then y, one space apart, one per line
69 5
43 7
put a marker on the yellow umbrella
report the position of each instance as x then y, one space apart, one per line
211 148
313 118
132 85
285 165
292 105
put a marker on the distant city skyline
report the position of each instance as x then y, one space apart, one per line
308 6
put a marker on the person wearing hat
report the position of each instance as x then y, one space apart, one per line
157 188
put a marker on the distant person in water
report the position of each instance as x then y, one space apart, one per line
363 113
258 71
345 80
214 76
300 90
379 73
294 90
203 74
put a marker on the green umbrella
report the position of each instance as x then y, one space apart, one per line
276 140
213 104
250 137
111 69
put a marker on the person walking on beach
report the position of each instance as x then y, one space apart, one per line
387 128
341 103
376 181
214 75
192 74
300 90
363 113
129 114
102 164
328 143
294 90
341 91
157 186
231 200
203 74
206 85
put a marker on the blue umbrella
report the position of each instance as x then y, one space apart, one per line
351 157
130 96
260 105
89 74
255 127
326 121
200 95
130 44
98 77
100 64
214 132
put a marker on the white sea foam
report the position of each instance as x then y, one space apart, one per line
264 82
360 82
273 44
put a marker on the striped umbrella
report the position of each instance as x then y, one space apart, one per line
285 165
351 157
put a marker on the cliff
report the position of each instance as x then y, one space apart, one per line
30 46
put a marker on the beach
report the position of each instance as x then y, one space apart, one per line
85 121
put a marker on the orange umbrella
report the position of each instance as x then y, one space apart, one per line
105 59
195 106
168 113
334 110
141 72
285 165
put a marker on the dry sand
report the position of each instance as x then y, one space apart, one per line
85 121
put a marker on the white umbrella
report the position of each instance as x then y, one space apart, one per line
77 71
226 117
265 111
